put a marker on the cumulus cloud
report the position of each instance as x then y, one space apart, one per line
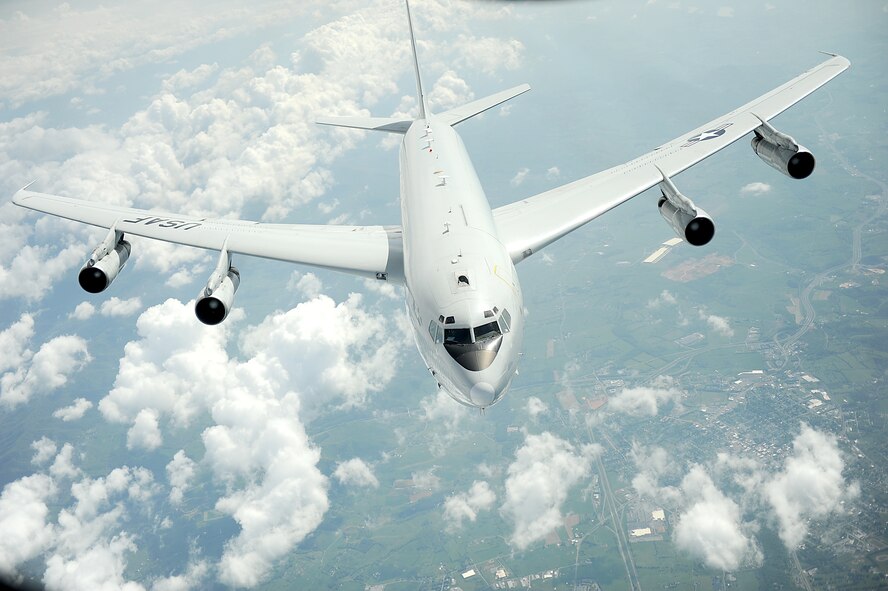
180 472
355 472
709 520
117 307
536 407
36 373
810 485
444 417
545 469
710 527
83 311
90 547
74 411
44 448
145 432
466 505
756 189
666 298
519 177
646 400
719 324
308 285
23 520
316 355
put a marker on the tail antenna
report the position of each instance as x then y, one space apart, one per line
423 108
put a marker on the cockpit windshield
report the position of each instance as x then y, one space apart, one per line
487 331
457 336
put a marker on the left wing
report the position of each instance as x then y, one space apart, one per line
372 251
530 224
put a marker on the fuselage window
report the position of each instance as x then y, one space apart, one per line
487 331
506 321
457 336
433 330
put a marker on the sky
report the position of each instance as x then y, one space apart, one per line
207 109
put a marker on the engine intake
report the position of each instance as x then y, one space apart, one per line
690 222
697 228
782 152
105 263
215 300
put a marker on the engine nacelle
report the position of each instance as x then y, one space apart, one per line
798 164
782 152
214 303
101 269
695 228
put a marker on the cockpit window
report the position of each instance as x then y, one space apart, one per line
457 336
487 331
505 321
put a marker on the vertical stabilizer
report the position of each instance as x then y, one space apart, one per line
423 108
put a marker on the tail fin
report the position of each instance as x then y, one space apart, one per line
423 107
452 117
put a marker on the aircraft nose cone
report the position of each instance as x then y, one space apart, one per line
482 394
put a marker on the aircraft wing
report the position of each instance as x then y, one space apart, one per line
362 250
530 224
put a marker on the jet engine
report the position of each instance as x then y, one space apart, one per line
782 152
690 222
215 300
105 262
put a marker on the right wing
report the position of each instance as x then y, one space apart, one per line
371 251
530 224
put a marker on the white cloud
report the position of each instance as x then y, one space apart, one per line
44 448
646 400
145 432
488 54
426 479
719 324
83 311
194 577
63 466
710 522
519 177
36 373
710 527
756 188
810 485
553 173
544 470
536 407
308 285
90 549
74 411
726 11
355 472
23 520
14 342
462 506
180 472
444 417
449 91
666 298
317 354
117 307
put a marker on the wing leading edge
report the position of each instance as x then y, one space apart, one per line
530 224
371 251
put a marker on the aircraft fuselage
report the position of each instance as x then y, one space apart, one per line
463 296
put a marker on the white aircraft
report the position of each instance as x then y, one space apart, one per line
454 256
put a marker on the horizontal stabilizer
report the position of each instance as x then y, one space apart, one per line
371 123
460 114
